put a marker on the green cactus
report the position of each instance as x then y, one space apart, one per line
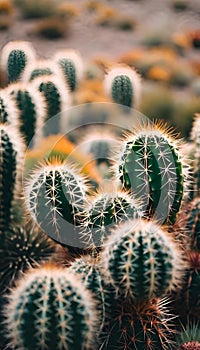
55 196
71 64
15 57
142 261
11 158
123 85
40 68
57 97
32 111
151 165
51 309
8 110
189 338
195 137
106 210
146 326
192 226
19 250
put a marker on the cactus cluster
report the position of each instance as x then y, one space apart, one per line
127 279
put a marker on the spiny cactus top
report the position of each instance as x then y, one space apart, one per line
51 309
106 210
8 109
71 64
151 165
123 84
32 110
55 196
142 260
15 57
40 68
11 158
189 338
19 250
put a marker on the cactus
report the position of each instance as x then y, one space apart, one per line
58 99
142 261
192 227
51 309
15 57
71 64
189 338
195 137
55 196
144 326
123 84
106 210
152 166
40 68
8 110
11 157
19 250
32 111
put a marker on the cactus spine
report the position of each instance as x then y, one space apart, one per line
123 85
152 167
55 196
142 261
11 157
15 57
32 111
51 309
71 64
19 250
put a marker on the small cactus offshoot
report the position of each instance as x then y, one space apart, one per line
40 68
142 261
51 309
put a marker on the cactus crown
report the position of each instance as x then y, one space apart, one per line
40 68
152 166
51 309
189 338
142 260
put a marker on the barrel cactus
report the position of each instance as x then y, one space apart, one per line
106 210
123 84
72 67
32 111
55 196
142 261
11 158
8 110
51 309
15 57
152 167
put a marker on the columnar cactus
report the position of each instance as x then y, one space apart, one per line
189 338
123 84
104 211
8 110
151 165
56 94
142 261
148 325
192 219
19 250
32 110
15 57
11 157
71 64
40 68
51 309
55 196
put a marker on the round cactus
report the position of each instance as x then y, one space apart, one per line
123 84
55 196
71 64
189 338
11 158
15 57
32 111
51 309
148 325
40 68
142 261
8 110
192 226
19 250
56 94
104 211
151 165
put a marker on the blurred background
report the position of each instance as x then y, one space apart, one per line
159 38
